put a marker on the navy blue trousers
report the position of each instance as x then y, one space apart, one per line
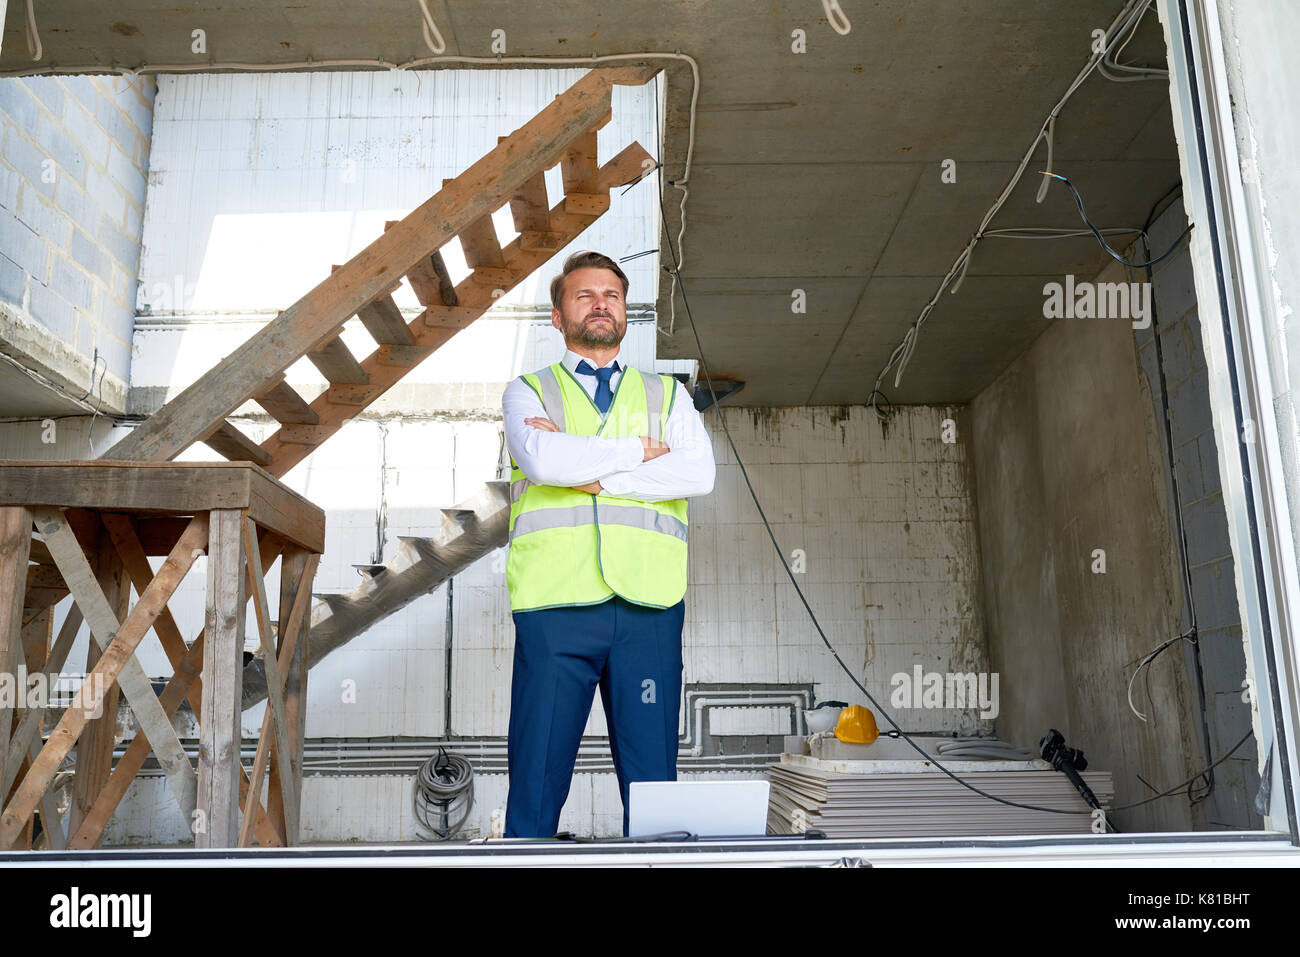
561 654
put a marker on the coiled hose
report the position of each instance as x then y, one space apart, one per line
443 785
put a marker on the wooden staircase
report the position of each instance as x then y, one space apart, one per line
513 173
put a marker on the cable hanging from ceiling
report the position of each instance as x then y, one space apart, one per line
1117 35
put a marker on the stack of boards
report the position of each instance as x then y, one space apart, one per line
851 799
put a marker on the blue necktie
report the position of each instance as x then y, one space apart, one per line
603 394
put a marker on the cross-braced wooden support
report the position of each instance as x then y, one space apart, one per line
87 529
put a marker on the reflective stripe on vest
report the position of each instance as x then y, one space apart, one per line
569 547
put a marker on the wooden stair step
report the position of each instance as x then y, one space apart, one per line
529 206
337 363
481 245
383 320
402 355
235 445
286 406
306 434
578 165
586 204
429 278
349 394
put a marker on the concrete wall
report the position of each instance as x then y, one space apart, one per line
1222 663
73 167
1068 462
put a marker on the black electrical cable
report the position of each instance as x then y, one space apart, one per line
831 648
1078 201
1193 632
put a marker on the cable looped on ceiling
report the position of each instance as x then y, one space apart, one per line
426 25
833 12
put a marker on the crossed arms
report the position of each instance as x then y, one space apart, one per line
628 467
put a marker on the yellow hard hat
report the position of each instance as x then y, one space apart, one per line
857 725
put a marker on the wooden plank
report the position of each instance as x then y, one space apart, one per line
402 355
586 204
43 576
235 445
578 164
132 555
15 545
446 288
485 186
178 687
39 553
631 164
530 208
158 534
117 663
95 746
533 240
281 510
496 278
353 395
480 244
337 363
308 435
274 688
383 320
169 486
284 404
223 671
125 486
297 571
36 649
27 734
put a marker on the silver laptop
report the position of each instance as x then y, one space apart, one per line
704 808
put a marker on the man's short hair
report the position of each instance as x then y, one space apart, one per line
585 260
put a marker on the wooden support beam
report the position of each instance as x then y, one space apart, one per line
223 670
15 545
228 441
117 663
297 570
185 487
121 530
285 405
383 320
485 186
95 746
27 734
178 687
274 692
337 363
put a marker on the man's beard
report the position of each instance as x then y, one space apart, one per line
591 335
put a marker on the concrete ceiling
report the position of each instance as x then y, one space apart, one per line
818 171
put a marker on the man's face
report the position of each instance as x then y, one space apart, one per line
592 310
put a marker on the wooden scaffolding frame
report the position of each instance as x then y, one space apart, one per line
89 527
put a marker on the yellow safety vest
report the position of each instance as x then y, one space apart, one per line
574 548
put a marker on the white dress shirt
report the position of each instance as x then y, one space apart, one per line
558 458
